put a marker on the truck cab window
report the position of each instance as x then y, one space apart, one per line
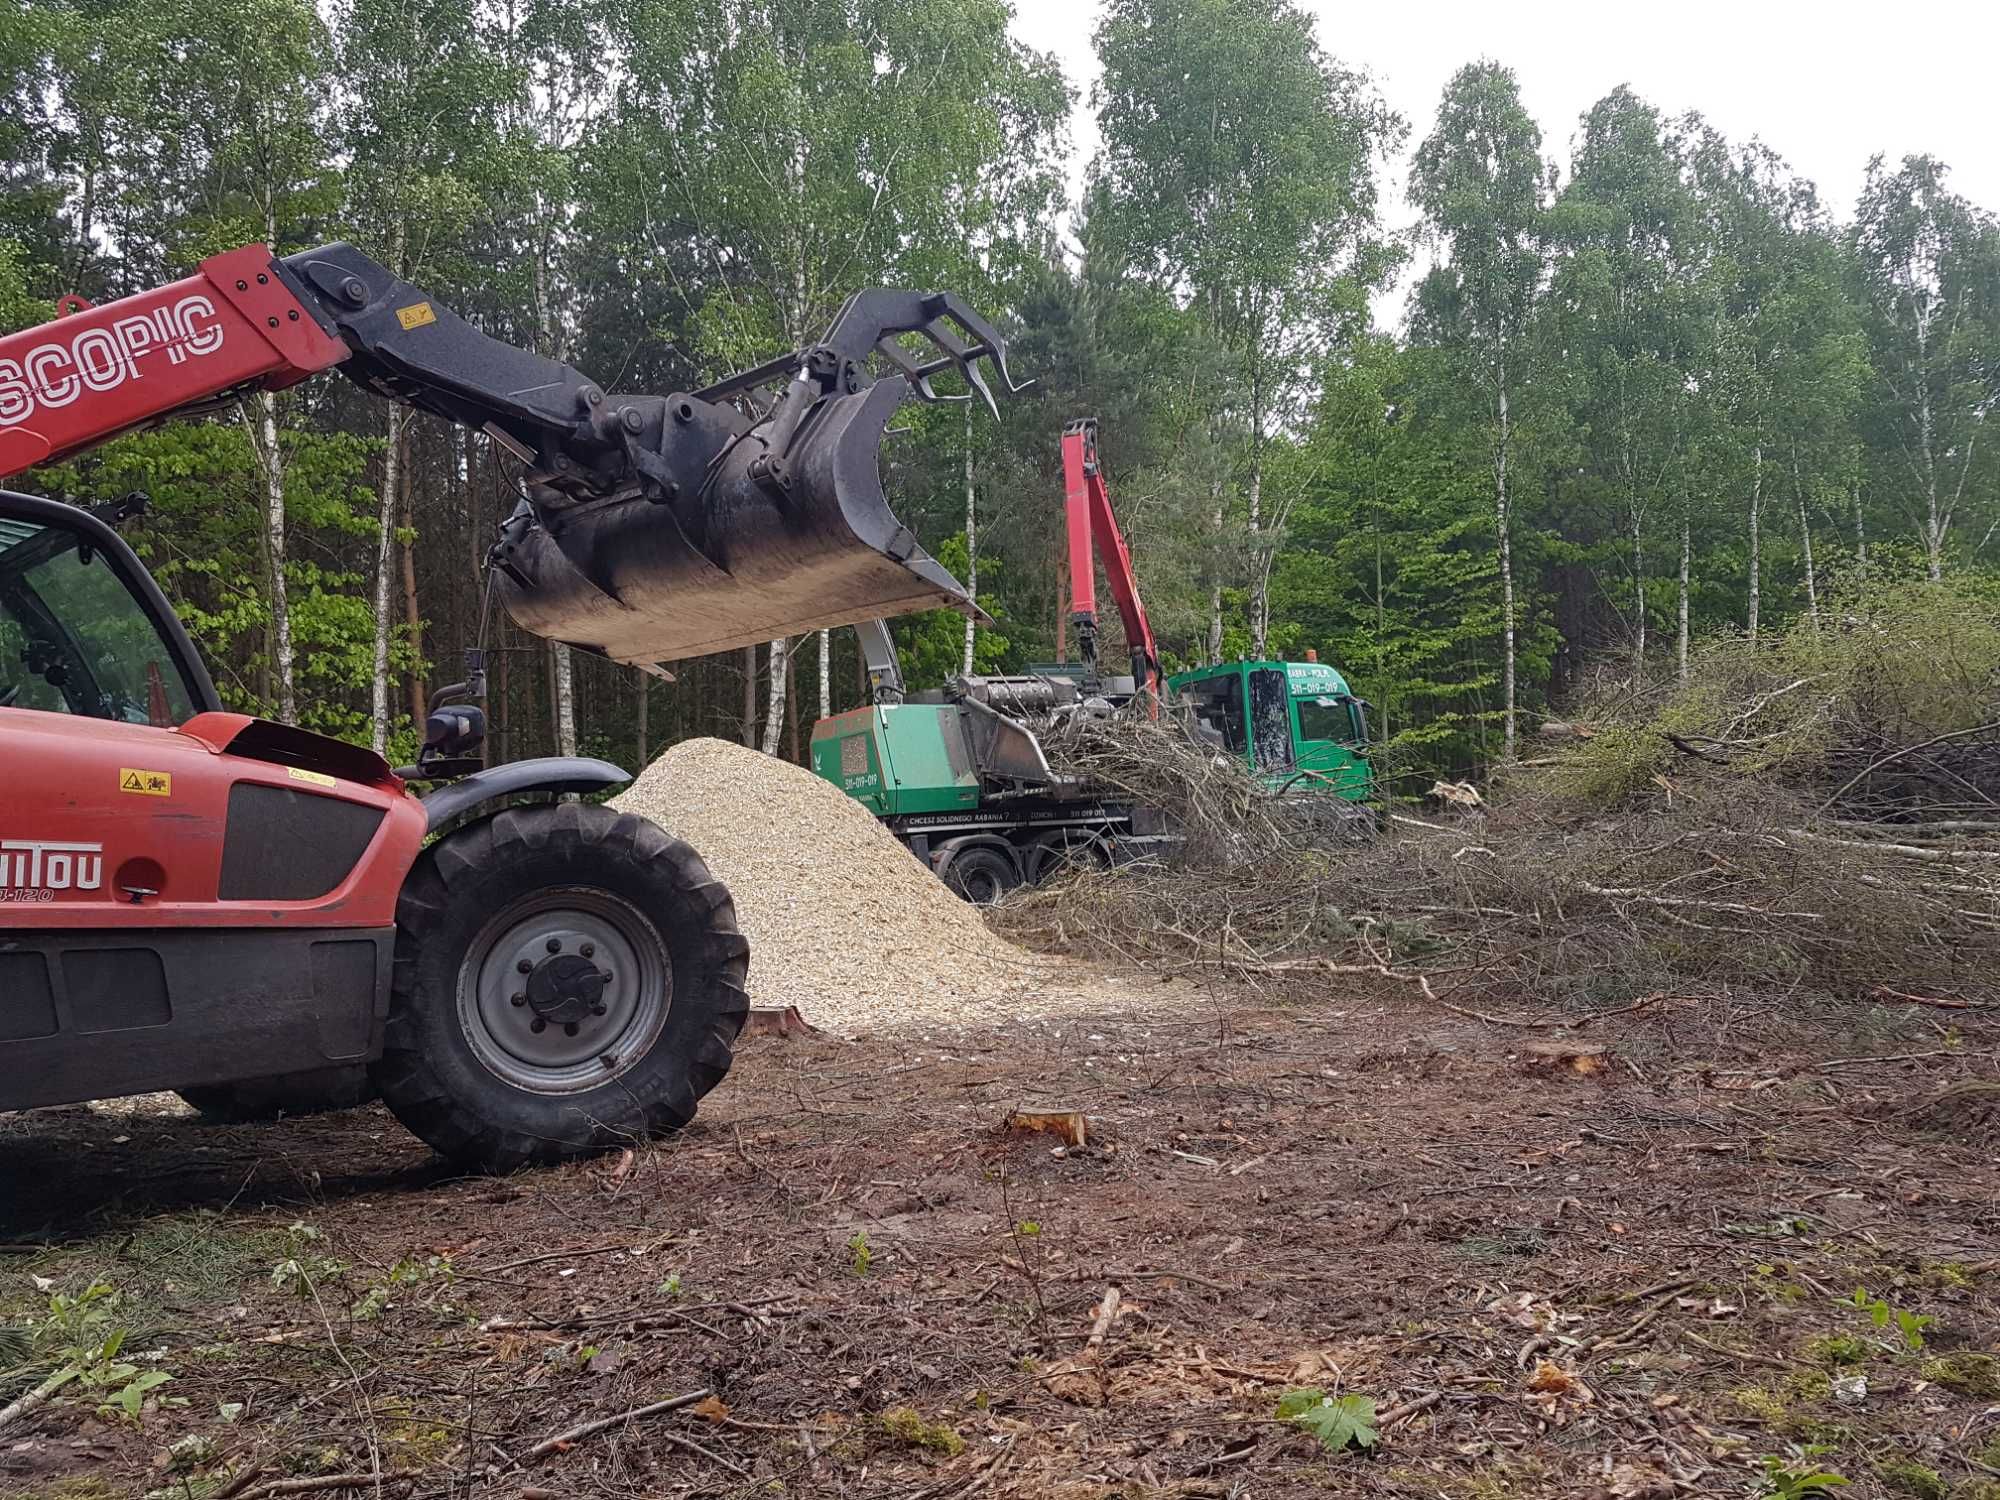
75 639
1337 721
1218 711
1270 718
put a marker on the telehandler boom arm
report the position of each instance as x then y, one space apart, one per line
653 527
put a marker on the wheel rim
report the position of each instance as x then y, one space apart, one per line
978 882
564 990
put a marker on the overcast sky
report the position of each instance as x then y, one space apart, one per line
1826 85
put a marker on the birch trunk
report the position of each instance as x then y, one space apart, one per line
1926 433
1756 535
1260 558
271 460
413 618
565 694
645 739
1639 595
385 543
774 721
1215 583
750 696
1860 530
825 674
1805 541
1503 521
385 531
1681 640
971 541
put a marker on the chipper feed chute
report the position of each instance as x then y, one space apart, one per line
738 526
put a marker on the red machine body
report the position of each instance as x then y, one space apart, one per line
1094 537
112 825
68 385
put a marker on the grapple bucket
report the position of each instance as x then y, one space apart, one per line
748 528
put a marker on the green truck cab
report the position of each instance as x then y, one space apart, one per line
1296 723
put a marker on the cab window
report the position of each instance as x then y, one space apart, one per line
75 639
1336 720
1218 710
1270 718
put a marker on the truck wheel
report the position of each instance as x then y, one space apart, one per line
567 979
981 874
1056 854
314 1092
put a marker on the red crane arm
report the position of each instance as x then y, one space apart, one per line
1093 536
100 371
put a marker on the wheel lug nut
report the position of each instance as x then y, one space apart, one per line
525 966
570 1028
538 1025
520 999
589 950
555 945
598 1009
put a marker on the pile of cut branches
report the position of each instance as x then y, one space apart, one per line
1814 820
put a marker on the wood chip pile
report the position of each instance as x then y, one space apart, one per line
842 921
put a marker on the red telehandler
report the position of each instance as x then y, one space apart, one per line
197 899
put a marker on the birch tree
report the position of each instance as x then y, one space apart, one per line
1622 226
805 148
1239 164
1480 182
1930 271
423 89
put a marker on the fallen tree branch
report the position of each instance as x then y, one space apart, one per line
1908 851
577 1434
22 1406
1895 755
319 1483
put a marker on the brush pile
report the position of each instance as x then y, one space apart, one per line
1815 818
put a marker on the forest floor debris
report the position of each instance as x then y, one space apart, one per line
1515 1281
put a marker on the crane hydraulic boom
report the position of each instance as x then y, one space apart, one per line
652 527
1094 537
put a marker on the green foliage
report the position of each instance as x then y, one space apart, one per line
1909 660
907 1426
861 1257
1698 363
1339 1422
1966 1372
306 1268
1786 1480
80 1346
1909 1325
1903 1476
1837 1349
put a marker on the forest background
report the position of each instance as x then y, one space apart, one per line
1649 387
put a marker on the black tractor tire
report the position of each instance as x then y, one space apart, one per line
466 1066
982 874
315 1092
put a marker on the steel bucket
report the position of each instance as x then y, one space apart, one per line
641 581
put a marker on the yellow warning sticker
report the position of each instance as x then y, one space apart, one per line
314 778
145 783
415 315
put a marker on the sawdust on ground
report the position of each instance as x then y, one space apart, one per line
843 921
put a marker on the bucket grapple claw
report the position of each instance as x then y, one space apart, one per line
728 525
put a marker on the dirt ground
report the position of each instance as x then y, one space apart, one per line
1617 1259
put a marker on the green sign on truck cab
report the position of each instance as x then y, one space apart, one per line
1296 722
